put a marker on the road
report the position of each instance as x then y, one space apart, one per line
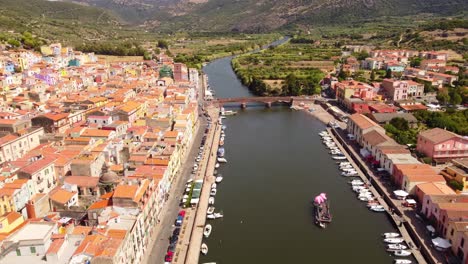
159 241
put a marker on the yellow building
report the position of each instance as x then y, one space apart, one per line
6 201
10 221
457 172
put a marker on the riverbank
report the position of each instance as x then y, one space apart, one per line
397 220
406 222
188 247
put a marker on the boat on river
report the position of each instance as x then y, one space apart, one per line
221 152
222 160
394 247
219 179
204 249
207 230
211 200
338 157
322 210
217 165
213 192
215 216
210 210
403 261
229 112
402 253
393 240
377 208
390 234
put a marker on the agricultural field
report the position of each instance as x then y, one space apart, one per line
306 63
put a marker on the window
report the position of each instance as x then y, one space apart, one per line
18 252
462 243
451 232
33 250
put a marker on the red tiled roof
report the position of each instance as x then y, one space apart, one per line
38 165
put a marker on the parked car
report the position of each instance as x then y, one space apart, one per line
176 231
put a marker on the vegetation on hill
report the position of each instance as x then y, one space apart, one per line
195 49
452 120
294 68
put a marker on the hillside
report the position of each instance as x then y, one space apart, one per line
265 15
57 21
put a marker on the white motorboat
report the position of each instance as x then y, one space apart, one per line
393 247
213 192
377 207
356 182
222 160
207 230
213 186
210 210
402 253
366 199
219 179
390 234
211 200
214 216
217 165
393 240
349 174
204 249
338 157
344 163
403 261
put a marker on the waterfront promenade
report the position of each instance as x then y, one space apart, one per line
191 235
396 219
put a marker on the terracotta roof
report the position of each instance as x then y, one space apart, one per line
125 191
362 121
61 196
81 230
435 188
96 133
437 135
38 165
375 137
55 246
56 117
7 138
107 195
82 181
425 178
100 204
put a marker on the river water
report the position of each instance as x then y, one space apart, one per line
276 166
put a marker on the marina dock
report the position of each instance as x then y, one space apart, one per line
398 221
192 240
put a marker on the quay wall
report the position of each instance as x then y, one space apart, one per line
370 176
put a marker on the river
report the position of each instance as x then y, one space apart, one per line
276 166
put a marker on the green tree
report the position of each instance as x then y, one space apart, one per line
163 44
372 75
13 42
415 62
388 73
400 123
443 96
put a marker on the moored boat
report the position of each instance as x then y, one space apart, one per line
393 247
222 160
211 200
402 253
210 210
219 179
207 230
390 234
204 249
215 216
393 240
338 157
403 261
217 165
213 192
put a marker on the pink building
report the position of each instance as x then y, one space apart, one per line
442 145
401 90
354 89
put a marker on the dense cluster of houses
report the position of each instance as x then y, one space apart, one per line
88 152
359 97
445 207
